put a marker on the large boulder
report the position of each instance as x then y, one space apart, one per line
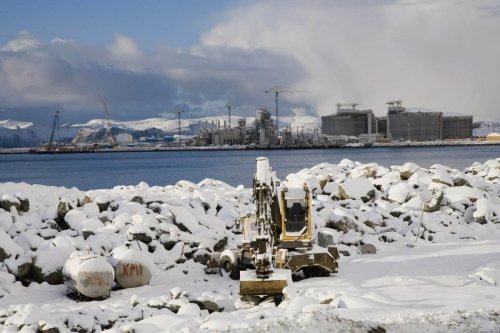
483 211
8 248
435 203
184 219
357 188
407 170
400 192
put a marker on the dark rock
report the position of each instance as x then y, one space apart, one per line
220 245
155 207
87 233
369 196
459 181
209 305
369 224
202 256
103 206
138 199
52 278
25 204
7 204
142 237
3 255
324 239
24 271
342 224
396 213
169 245
345 253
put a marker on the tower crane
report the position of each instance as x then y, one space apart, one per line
276 91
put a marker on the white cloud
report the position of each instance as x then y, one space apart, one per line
442 54
124 48
23 42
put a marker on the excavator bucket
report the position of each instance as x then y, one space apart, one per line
250 284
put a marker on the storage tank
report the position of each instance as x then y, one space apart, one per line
88 274
133 268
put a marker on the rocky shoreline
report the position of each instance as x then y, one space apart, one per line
360 208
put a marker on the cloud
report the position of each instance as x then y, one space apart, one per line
135 84
23 42
441 54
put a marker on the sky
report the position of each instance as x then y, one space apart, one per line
149 59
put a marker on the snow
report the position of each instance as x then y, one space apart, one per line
357 188
400 192
448 281
10 247
13 124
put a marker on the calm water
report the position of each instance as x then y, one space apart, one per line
106 170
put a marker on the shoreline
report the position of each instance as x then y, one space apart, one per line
416 144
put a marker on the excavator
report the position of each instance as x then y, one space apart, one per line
277 239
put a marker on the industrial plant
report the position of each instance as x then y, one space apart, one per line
400 124
350 126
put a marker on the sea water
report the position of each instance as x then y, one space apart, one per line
105 170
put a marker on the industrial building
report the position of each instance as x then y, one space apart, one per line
349 121
413 125
265 130
400 124
262 133
457 127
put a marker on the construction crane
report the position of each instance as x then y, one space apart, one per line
229 111
179 119
56 122
276 91
109 133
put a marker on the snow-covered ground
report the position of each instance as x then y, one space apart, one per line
446 279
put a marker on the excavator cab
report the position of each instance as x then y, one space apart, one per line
295 216
296 228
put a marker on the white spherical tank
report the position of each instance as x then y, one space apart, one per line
88 274
133 268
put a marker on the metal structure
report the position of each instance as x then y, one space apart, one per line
179 120
277 240
229 112
276 91
54 124
109 132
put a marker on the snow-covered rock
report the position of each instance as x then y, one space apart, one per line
360 208
357 188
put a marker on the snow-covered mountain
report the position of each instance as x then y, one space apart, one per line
157 127
189 125
15 134
484 128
